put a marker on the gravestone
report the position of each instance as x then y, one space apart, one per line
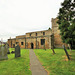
3 53
66 52
0 47
17 51
8 52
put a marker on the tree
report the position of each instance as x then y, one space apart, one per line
66 22
49 28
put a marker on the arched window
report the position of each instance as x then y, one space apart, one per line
42 41
22 43
36 34
43 33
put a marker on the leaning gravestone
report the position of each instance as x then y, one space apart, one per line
17 51
66 52
3 53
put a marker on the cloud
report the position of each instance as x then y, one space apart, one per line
18 17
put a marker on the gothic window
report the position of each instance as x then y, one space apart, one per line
36 34
30 34
43 33
22 43
16 42
42 41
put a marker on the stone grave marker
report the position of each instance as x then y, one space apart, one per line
66 52
17 51
8 52
6 47
0 47
0 53
3 53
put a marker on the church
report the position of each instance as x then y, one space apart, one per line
40 39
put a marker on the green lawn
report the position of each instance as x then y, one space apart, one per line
56 64
16 66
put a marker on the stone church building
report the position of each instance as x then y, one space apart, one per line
39 39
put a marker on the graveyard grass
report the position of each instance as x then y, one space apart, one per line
16 66
56 64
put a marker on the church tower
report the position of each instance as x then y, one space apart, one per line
55 30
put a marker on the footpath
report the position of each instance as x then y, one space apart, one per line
35 65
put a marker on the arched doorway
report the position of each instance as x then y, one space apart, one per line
32 45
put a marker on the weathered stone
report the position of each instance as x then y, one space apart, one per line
25 41
56 32
6 47
8 52
66 52
0 52
0 47
17 51
3 53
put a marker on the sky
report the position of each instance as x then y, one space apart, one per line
18 17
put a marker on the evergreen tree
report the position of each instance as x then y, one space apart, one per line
66 21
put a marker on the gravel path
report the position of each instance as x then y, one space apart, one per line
35 65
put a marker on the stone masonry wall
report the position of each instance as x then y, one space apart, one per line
33 38
36 39
11 42
57 38
39 33
20 41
